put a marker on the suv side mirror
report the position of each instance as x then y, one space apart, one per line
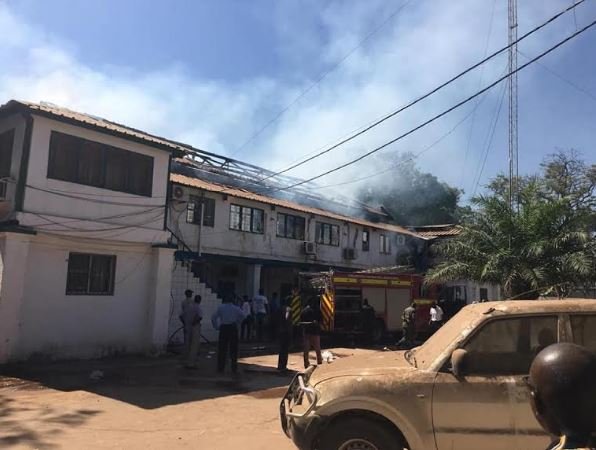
459 362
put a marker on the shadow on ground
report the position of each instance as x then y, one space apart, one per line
28 432
149 382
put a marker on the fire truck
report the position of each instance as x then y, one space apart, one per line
359 303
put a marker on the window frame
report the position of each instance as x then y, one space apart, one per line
297 220
88 292
143 164
384 244
251 220
9 136
191 208
366 242
327 230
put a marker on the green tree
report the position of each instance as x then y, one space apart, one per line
412 197
546 246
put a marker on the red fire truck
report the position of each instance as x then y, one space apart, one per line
343 297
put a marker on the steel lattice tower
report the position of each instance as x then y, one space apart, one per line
513 114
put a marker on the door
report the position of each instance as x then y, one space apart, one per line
488 407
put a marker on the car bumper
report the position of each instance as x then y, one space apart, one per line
302 427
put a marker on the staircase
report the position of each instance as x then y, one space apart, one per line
184 278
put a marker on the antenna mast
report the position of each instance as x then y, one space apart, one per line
513 139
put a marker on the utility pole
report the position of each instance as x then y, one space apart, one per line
513 115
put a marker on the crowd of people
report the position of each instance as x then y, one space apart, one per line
258 319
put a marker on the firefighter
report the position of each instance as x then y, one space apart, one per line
311 330
408 320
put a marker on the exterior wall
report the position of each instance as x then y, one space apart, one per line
96 208
18 123
472 289
221 240
40 320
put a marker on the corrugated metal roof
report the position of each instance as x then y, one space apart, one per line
49 109
240 193
435 231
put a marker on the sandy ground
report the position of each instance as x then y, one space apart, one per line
144 403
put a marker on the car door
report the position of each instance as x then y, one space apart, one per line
486 407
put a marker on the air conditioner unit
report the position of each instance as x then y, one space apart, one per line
401 239
177 193
310 248
349 253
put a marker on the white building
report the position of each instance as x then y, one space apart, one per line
85 267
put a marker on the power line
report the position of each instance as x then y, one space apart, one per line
489 140
423 97
562 78
438 116
321 78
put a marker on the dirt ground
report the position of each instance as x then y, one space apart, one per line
145 403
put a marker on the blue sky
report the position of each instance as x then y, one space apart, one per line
212 73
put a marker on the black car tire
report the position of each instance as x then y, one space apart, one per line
355 433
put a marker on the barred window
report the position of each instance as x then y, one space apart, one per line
90 274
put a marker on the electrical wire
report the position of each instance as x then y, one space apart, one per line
423 97
321 78
99 219
438 116
489 140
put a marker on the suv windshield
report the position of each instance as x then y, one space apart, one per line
454 329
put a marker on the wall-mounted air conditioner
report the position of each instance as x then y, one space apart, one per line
177 193
310 248
349 253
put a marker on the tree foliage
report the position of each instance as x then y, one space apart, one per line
546 246
412 197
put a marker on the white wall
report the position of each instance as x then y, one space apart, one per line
55 325
101 208
268 246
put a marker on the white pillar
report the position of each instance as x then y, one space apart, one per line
254 278
159 305
13 275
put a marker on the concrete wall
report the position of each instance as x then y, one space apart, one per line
95 208
18 123
37 318
221 240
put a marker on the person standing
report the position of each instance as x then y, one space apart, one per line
436 317
246 328
260 305
284 334
408 322
274 314
226 319
193 315
562 384
311 331
186 303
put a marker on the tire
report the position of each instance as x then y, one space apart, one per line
356 433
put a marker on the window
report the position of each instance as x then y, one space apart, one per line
385 244
289 226
81 161
365 240
327 234
483 294
584 330
193 211
244 218
90 274
6 141
508 346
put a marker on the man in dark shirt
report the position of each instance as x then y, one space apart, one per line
284 320
562 386
311 330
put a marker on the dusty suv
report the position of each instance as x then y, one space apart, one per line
463 389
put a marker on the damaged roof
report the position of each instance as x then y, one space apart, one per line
437 231
248 195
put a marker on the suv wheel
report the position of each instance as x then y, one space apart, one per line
357 433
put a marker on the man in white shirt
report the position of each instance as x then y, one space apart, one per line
436 317
260 305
